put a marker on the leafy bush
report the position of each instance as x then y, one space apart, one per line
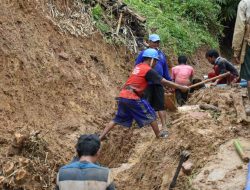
229 9
97 14
182 25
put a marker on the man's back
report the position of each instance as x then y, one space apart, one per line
84 176
182 73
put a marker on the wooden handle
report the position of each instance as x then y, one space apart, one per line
209 80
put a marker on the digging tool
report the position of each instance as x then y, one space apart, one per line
209 80
183 158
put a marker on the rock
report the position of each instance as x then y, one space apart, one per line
8 168
187 167
248 111
21 176
2 180
19 140
216 175
209 107
64 56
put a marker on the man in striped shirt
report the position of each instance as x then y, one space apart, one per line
85 174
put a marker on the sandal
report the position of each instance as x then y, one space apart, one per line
163 134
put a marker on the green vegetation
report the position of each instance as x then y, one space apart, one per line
228 9
97 13
182 25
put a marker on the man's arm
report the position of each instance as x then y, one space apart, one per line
153 76
239 29
166 74
139 58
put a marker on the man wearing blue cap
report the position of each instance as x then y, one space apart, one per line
155 92
131 105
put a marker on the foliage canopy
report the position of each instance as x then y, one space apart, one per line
183 25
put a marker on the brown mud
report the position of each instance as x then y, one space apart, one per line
57 84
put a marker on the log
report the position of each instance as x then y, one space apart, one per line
240 109
209 80
119 23
136 15
126 10
240 151
209 107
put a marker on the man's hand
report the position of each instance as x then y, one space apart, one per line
235 80
213 84
236 60
184 89
169 90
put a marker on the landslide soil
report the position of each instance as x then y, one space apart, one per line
55 86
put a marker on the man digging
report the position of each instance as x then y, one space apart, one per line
130 104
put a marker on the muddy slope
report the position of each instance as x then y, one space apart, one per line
52 83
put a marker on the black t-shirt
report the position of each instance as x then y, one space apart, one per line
225 66
153 77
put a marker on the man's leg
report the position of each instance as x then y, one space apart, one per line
178 95
155 128
158 103
108 127
163 117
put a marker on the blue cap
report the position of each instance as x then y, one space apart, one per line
151 53
154 37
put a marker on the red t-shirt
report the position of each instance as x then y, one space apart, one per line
138 81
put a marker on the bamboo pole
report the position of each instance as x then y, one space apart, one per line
240 151
209 80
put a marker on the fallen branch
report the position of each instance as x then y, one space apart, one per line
240 109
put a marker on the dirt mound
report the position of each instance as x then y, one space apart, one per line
26 162
52 82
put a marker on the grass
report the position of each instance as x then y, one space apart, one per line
183 25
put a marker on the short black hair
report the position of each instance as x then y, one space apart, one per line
182 59
212 53
88 145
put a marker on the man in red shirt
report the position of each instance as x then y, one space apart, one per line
183 75
130 104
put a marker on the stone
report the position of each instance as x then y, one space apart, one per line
216 175
64 56
187 167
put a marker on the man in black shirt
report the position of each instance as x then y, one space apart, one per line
221 66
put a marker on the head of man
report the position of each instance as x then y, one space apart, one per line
88 146
182 60
150 56
212 55
154 41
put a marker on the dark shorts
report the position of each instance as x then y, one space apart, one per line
138 110
245 67
155 96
